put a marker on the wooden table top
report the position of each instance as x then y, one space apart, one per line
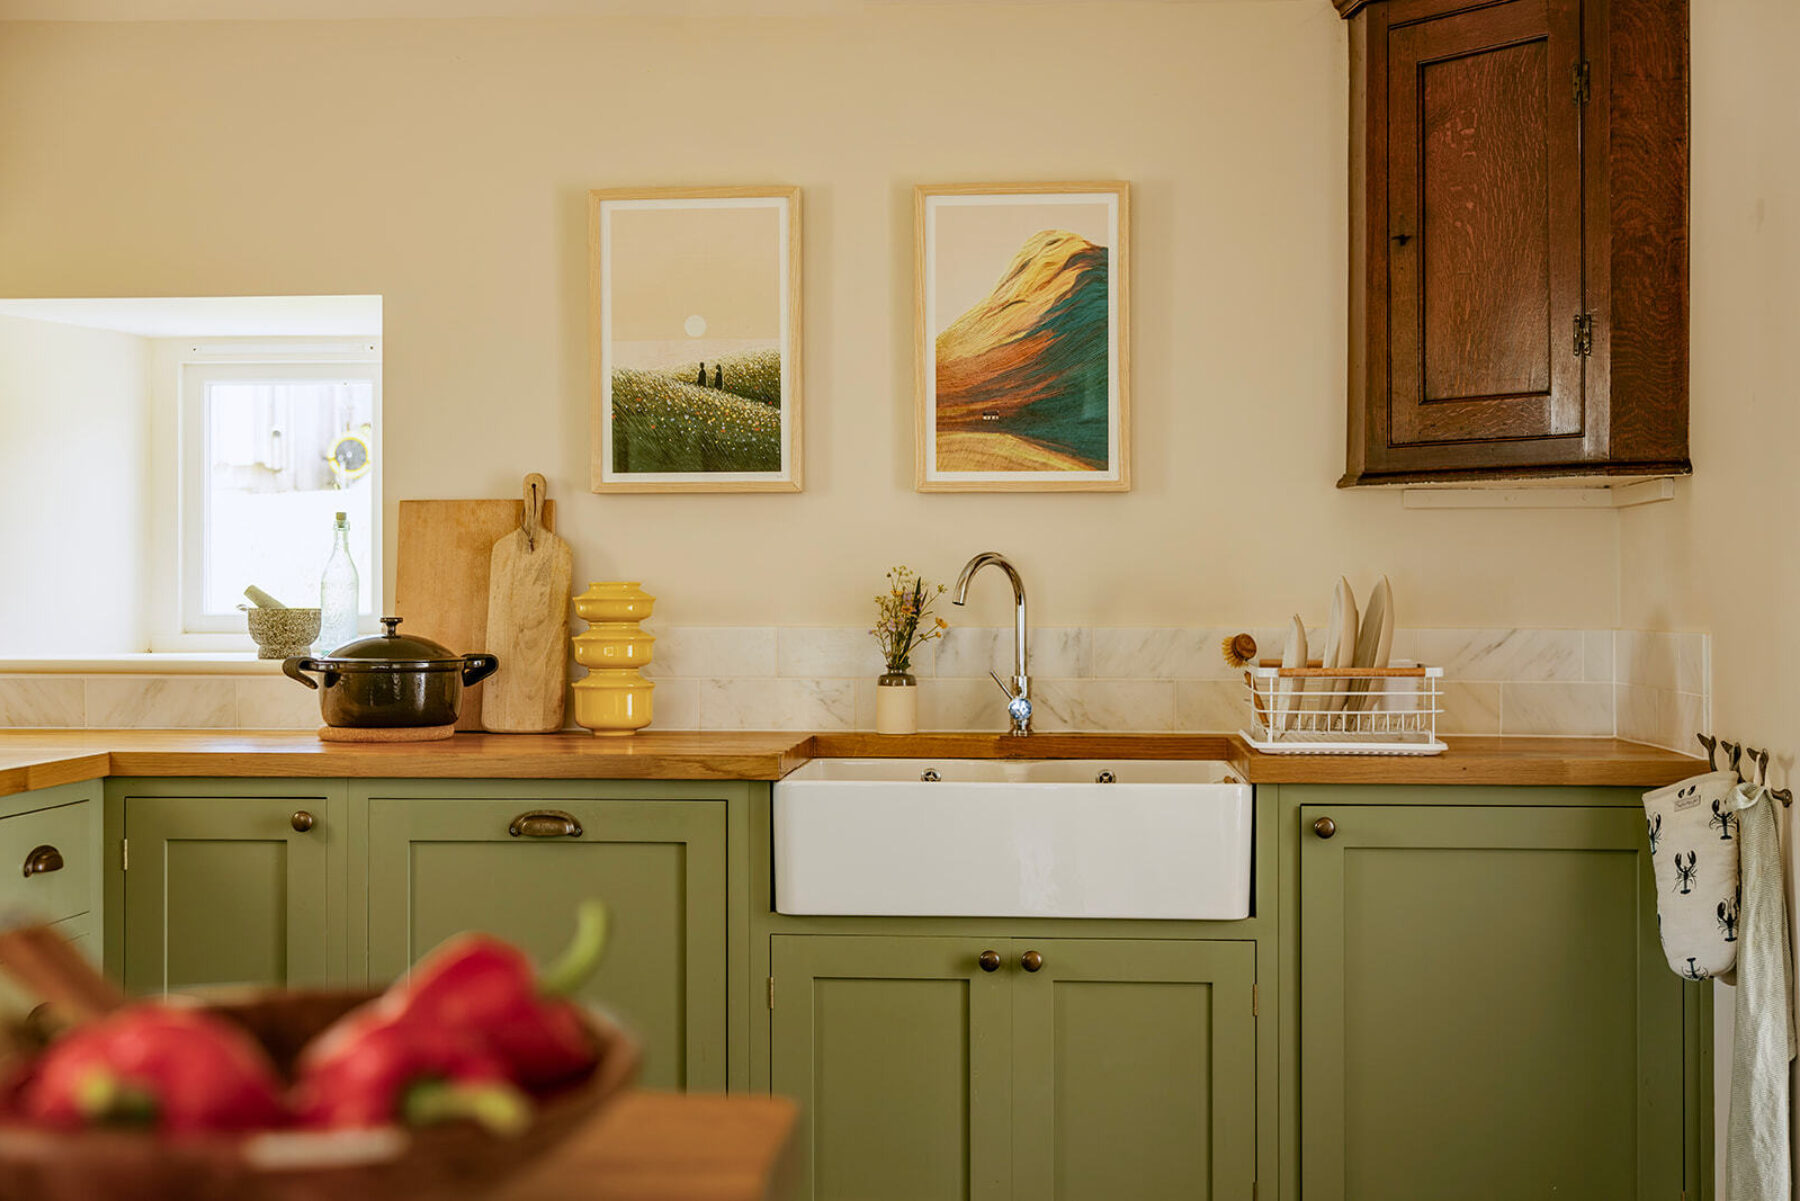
41 758
668 1147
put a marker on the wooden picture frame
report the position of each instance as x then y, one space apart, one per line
684 281
1027 374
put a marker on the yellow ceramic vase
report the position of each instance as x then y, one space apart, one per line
614 700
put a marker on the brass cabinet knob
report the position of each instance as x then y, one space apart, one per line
1324 827
302 821
43 859
989 961
1031 961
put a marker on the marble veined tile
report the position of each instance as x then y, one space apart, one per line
1080 705
1056 652
713 652
834 652
277 703
1557 708
1502 654
777 704
1676 662
161 702
1165 653
1211 706
41 701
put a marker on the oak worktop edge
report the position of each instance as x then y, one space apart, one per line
33 759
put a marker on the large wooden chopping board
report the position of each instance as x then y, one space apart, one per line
528 624
441 580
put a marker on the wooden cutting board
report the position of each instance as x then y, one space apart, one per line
528 624
441 580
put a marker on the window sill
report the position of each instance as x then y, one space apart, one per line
158 663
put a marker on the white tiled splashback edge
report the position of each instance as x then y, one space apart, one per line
1644 685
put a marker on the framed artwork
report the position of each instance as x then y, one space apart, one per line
1023 329
695 339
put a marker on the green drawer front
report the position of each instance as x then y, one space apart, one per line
54 895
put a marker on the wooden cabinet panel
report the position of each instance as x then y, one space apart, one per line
1134 1070
1518 241
442 865
1484 1007
225 890
897 1050
1484 144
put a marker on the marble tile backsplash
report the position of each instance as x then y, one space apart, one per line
1648 686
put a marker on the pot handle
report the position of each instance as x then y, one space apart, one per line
296 669
477 668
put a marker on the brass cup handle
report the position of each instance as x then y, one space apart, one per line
1324 827
302 821
989 961
43 859
545 823
1031 961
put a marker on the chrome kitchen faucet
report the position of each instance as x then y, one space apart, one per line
1018 696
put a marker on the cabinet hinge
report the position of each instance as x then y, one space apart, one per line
771 992
1583 82
124 854
1255 1000
1584 334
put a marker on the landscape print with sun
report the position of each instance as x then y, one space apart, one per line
1021 300
693 298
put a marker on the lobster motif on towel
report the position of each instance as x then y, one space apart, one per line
1723 819
1685 872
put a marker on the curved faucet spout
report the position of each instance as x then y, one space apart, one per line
1019 695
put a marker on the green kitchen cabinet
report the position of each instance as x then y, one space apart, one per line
1113 1068
50 852
1484 1009
232 888
515 863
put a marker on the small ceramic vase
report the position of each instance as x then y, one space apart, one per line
896 704
614 700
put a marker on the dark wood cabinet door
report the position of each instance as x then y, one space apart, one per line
1484 225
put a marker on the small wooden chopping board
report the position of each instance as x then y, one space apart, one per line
441 579
528 624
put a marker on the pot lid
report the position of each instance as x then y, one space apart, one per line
394 648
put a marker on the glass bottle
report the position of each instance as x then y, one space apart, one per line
338 592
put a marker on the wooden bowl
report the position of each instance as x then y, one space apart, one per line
391 1164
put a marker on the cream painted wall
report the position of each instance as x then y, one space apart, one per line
74 428
443 164
1725 555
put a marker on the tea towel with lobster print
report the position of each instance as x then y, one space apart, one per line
1693 832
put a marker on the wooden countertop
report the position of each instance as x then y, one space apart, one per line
41 758
664 1147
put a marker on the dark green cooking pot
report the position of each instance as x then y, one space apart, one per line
393 680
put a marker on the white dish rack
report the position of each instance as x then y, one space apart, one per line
1345 711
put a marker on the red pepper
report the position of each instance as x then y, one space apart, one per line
478 984
376 1067
180 1071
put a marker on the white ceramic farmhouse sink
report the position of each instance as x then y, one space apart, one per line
1030 838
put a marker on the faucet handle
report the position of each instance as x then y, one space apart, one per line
995 676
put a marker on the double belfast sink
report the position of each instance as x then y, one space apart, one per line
1075 838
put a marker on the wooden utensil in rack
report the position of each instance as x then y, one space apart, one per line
441 579
529 577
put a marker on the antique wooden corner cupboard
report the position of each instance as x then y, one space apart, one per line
1518 238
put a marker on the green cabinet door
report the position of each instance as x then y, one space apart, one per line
897 1050
1484 1008
1134 1070
230 890
442 865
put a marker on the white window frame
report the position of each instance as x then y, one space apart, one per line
183 369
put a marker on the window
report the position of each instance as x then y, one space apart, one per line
269 452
